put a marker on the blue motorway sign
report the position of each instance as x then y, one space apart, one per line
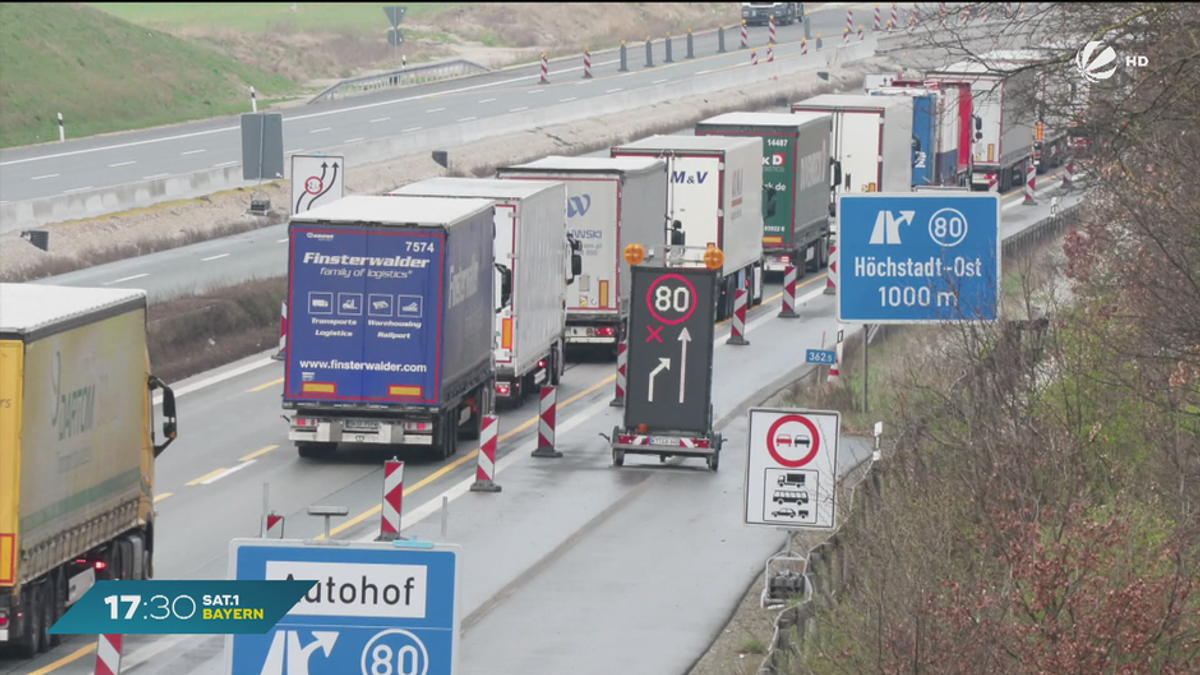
376 608
822 356
915 258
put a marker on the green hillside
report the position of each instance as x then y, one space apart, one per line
106 74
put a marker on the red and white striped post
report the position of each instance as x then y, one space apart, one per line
547 414
803 47
485 473
771 30
622 364
771 53
274 526
835 375
943 11
1068 174
587 64
849 25
745 35
983 14
914 16
966 15
831 276
993 182
545 69
894 22
754 57
737 332
1030 184
878 25
283 318
393 500
789 294
108 654
1008 9
860 33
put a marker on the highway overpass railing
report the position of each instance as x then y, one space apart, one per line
404 77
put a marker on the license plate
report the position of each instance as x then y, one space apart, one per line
664 441
362 425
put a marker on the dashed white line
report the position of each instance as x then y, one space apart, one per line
659 81
136 276
194 152
466 119
610 91
567 99
45 176
223 474
321 130
296 151
155 175
705 72
405 131
79 189
433 110
379 119
536 91
524 107
355 140
215 257
113 166
487 100
580 84
217 166
281 241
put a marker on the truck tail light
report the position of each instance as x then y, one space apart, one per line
605 332
418 426
542 363
100 565
502 389
3 620
785 259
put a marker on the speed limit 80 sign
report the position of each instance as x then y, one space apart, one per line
671 299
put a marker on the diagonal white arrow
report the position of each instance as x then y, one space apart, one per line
663 364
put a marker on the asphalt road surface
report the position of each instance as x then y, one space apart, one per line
576 567
116 159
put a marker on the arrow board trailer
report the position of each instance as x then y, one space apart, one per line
376 608
668 392
533 264
872 141
317 180
925 130
792 469
796 185
715 192
390 318
610 203
1002 139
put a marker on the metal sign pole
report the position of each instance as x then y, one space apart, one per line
866 375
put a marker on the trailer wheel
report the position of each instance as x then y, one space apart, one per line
714 460
473 429
31 626
57 603
618 458
823 253
449 436
556 362
309 450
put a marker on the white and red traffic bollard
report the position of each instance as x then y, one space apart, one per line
393 500
547 415
878 25
274 526
754 57
966 15
283 318
893 24
789 294
485 473
771 30
545 69
849 25
860 33
770 53
831 276
587 64
1030 184
622 365
993 182
737 332
803 47
835 375
108 654
745 35
1068 175
1008 9
943 11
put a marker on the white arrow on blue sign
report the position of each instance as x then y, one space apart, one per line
377 608
917 258
822 356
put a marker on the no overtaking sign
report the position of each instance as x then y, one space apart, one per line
792 469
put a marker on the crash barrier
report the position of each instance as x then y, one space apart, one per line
547 419
485 472
404 77
393 500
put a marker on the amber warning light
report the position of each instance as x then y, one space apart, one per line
714 258
635 254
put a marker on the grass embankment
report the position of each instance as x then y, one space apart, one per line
105 74
195 333
263 17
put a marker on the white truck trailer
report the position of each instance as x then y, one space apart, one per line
715 194
872 141
535 261
610 203
1003 122
1055 98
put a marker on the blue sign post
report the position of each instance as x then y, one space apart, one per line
376 608
917 258
821 356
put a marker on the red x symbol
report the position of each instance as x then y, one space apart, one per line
654 333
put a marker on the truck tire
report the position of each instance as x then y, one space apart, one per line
823 253
449 436
473 429
556 364
314 450
57 603
31 624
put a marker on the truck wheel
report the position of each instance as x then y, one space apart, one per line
555 365
31 626
449 436
714 460
823 253
618 458
315 450
473 429
801 270
57 604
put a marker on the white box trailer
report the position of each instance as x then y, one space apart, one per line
1056 99
610 203
1003 122
872 141
534 260
714 192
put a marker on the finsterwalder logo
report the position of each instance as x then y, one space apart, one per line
1096 66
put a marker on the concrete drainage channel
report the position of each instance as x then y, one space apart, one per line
93 203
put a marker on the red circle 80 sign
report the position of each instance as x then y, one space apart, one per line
793 441
671 299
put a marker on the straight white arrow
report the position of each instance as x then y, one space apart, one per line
663 364
684 338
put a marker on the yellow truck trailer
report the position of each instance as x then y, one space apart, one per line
77 450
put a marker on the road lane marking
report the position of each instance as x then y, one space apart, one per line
374 511
194 152
612 91
156 175
536 91
378 120
215 257
217 166
227 472
566 100
281 241
136 276
161 496
45 176
113 166
258 453
487 100
78 189
68 659
318 131
434 110
660 81
296 151
268 385
405 131
205 477
355 140
524 107
467 119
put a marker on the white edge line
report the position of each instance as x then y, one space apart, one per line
215 257
281 241
225 473
217 379
113 166
155 175
194 152
355 140
78 189
378 119
136 276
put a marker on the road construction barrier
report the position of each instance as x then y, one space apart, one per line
587 64
283 319
108 654
754 57
393 499
545 69
831 276
803 47
770 53
720 39
1068 175
835 375
771 30
622 365
993 181
485 473
547 414
649 53
274 526
1030 184
877 25
691 45
893 23
667 45
860 33
737 333
789 293
745 35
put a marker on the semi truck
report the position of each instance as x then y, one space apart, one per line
760 13
1055 101
535 261
936 131
1002 143
872 141
796 184
714 198
610 203
77 451
389 328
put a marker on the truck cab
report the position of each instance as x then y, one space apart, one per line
760 13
